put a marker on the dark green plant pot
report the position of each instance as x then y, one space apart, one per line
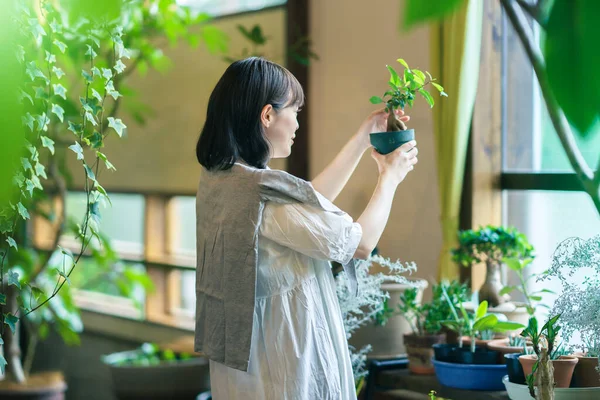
515 369
481 356
444 352
386 142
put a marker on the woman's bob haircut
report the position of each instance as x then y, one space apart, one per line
233 130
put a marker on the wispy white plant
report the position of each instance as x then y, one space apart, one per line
362 309
579 301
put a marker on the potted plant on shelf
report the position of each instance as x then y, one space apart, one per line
158 372
576 265
425 322
403 91
473 368
491 244
548 366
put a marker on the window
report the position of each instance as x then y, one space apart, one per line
541 195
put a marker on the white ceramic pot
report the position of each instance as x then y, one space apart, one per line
521 392
387 341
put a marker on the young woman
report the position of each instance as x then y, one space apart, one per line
267 312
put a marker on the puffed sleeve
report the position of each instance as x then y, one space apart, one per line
312 231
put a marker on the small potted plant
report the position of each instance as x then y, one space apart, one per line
425 321
403 91
491 244
473 368
548 366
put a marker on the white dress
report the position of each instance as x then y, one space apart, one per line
299 348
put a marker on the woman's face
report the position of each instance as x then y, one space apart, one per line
280 129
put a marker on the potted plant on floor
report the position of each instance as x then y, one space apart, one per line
403 91
576 265
490 245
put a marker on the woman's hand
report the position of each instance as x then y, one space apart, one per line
394 167
376 122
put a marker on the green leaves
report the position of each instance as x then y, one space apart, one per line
11 242
481 310
570 49
90 174
376 100
394 78
11 321
58 111
485 323
427 97
22 211
78 150
61 46
416 11
117 125
60 90
106 162
13 279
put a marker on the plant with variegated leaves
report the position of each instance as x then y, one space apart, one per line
74 64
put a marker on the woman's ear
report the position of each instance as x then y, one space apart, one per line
266 115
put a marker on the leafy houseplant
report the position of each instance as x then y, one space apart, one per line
549 366
532 299
426 322
403 91
153 372
74 57
476 325
491 244
579 301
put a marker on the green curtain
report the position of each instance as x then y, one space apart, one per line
455 51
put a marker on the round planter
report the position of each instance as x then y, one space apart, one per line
42 386
387 342
420 352
182 379
444 352
470 377
521 392
386 142
481 356
586 374
514 367
563 368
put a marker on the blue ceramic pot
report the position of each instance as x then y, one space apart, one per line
515 370
470 376
386 142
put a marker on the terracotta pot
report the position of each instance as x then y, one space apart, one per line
42 386
563 368
420 352
585 374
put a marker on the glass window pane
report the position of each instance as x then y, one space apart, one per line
548 218
188 291
531 143
184 242
123 222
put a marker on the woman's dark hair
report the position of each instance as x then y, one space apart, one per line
233 130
